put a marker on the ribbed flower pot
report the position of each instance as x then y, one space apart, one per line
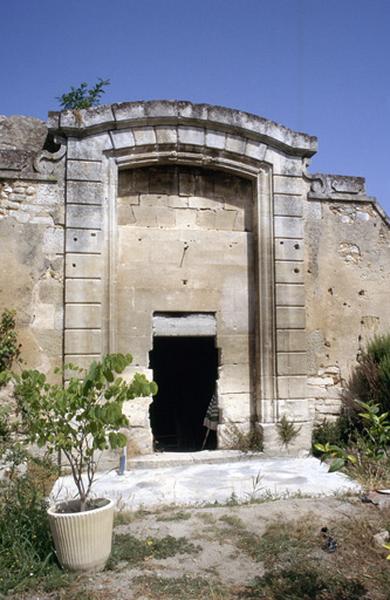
83 539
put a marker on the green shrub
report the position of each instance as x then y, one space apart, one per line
370 381
9 347
26 548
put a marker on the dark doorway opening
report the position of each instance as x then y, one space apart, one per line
185 369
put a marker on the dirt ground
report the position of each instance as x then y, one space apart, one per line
209 552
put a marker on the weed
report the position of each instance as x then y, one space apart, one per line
27 556
305 582
206 517
251 441
177 516
287 432
124 517
169 588
233 521
128 548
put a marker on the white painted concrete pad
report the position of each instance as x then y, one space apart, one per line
197 484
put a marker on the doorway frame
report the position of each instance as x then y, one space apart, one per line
260 174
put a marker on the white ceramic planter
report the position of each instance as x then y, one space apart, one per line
83 540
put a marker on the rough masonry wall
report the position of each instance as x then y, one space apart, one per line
31 242
185 244
347 292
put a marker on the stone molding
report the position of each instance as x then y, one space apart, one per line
120 116
342 188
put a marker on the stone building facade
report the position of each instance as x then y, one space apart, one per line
194 237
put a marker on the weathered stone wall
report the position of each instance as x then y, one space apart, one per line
185 244
31 242
347 287
168 206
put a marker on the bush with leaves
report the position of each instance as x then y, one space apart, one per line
26 548
81 418
9 346
370 381
369 452
82 96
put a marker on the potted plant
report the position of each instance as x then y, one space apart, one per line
80 419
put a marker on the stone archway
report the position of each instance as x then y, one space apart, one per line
131 137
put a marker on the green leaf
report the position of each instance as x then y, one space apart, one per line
336 465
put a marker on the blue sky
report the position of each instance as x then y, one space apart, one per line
318 66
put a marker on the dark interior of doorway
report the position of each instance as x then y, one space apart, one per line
185 370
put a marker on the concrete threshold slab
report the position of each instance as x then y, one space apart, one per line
202 483
177 459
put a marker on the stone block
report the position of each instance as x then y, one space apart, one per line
284 184
84 217
295 410
44 316
139 441
206 219
84 192
186 219
289 272
50 291
215 139
145 216
273 445
129 111
203 202
255 149
178 201
191 135
79 316
235 408
234 379
153 200
288 227
49 342
290 317
291 363
137 411
84 265
291 341
134 248
144 136
235 144
123 138
83 361
236 349
83 341
84 240
166 134
125 214
186 183
133 181
290 294
83 290
288 206
138 346
283 164
289 249
83 170
225 220
291 387
53 240
89 148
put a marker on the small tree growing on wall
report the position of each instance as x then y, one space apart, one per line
83 96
